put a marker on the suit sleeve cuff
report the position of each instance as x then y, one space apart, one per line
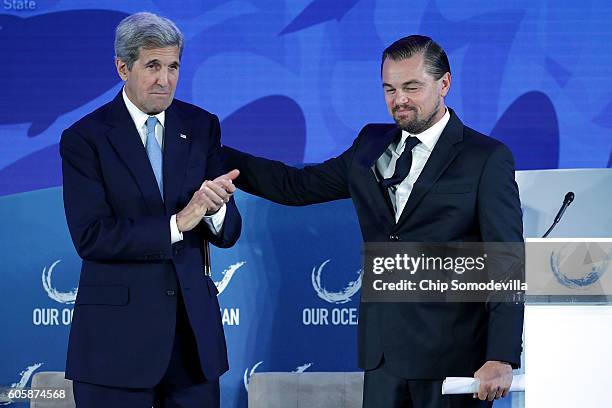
175 234
215 221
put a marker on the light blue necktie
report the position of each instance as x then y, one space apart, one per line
155 154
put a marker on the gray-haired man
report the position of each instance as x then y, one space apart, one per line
144 187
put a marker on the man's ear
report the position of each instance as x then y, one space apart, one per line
122 69
446 83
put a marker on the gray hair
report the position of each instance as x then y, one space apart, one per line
148 31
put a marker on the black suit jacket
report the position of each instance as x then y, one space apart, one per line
125 314
466 192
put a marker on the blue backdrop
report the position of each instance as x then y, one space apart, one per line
290 80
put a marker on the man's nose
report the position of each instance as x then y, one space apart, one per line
401 98
162 77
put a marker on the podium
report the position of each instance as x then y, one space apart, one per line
568 324
568 358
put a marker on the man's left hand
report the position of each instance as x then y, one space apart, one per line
495 380
219 190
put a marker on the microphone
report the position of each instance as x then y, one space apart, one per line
569 197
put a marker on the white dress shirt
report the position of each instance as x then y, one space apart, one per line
420 154
214 221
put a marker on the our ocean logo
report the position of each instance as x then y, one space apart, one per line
230 316
66 298
52 316
228 274
342 296
248 373
579 265
336 316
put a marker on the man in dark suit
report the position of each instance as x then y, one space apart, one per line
145 190
428 179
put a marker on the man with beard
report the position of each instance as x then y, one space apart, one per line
428 179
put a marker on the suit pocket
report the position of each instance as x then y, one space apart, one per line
452 188
103 295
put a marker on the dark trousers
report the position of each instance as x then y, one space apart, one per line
183 385
383 389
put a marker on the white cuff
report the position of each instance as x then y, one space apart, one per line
175 234
215 221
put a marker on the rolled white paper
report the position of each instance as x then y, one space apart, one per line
469 385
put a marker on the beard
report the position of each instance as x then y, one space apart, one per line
416 125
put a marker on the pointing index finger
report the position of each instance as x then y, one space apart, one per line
230 175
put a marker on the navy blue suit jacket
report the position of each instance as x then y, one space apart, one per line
466 192
124 318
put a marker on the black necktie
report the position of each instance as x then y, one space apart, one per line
402 165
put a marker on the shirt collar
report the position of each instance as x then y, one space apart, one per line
138 116
428 137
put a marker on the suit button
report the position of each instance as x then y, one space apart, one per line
394 238
177 247
170 292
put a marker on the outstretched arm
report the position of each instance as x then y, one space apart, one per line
283 184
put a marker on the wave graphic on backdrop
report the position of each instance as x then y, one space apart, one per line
530 128
228 274
487 39
340 297
40 76
247 374
317 12
40 169
248 30
67 298
278 136
23 381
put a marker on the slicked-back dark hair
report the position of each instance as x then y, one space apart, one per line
435 59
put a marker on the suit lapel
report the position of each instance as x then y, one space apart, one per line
441 157
124 137
176 149
376 145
